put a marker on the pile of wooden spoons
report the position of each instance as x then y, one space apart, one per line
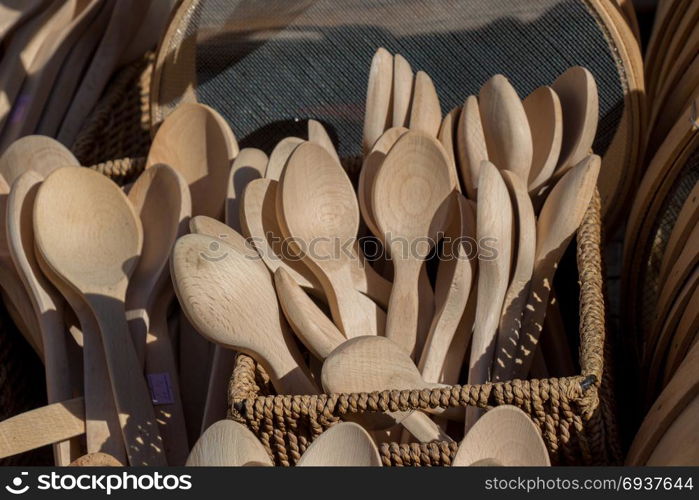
489 196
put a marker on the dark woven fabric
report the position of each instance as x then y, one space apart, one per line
278 62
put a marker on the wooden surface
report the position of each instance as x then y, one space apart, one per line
343 445
425 111
228 444
471 145
280 155
377 115
403 82
545 116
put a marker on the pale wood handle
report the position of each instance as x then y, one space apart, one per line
403 307
47 425
424 429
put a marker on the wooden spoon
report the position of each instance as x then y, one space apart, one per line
577 91
373 363
14 12
455 276
230 299
280 156
96 256
506 435
250 164
318 135
377 115
228 444
47 303
194 141
560 218
343 445
446 136
402 91
518 289
409 201
425 111
161 198
34 152
545 116
317 207
97 459
471 146
494 225
507 133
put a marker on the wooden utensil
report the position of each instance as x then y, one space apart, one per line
96 257
402 91
683 337
425 111
50 424
505 435
228 444
471 145
560 218
506 128
678 446
545 116
446 136
230 299
161 199
455 276
97 460
577 91
373 363
409 199
377 114
250 164
517 294
343 445
280 156
493 224
318 135
34 152
47 303
14 12
195 141
317 207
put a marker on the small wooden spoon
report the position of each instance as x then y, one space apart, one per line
343 445
402 91
96 256
194 141
560 218
507 133
518 289
280 156
249 165
409 199
577 91
506 435
46 301
470 145
318 135
161 198
455 276
228 444
425 111
494 225
230 299
377 115
545 116
34 152
373 363
447 135
317 207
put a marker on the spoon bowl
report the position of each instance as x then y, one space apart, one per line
343 445
228 444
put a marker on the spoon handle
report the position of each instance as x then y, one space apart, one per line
349 314
424 428
403 306
144 445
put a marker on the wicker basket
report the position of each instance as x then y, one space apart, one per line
575 414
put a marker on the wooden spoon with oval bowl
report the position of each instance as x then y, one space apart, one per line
228 444
446 136
425 111
250 164
318 135
317 208
96 254
494 228
343 445
410 203
403 82
377 115
507 436
34 152
229 298
470 145
560 218
545 116
280 156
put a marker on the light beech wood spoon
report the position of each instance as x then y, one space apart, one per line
507 133
409 199
377 114
228 444
447 136
34 152
560 218
250 164
524 249
425 111
343 445
470 145
229 298
96 255
402 91
318 135
317 208
280 156
494 228
545 116
507 436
